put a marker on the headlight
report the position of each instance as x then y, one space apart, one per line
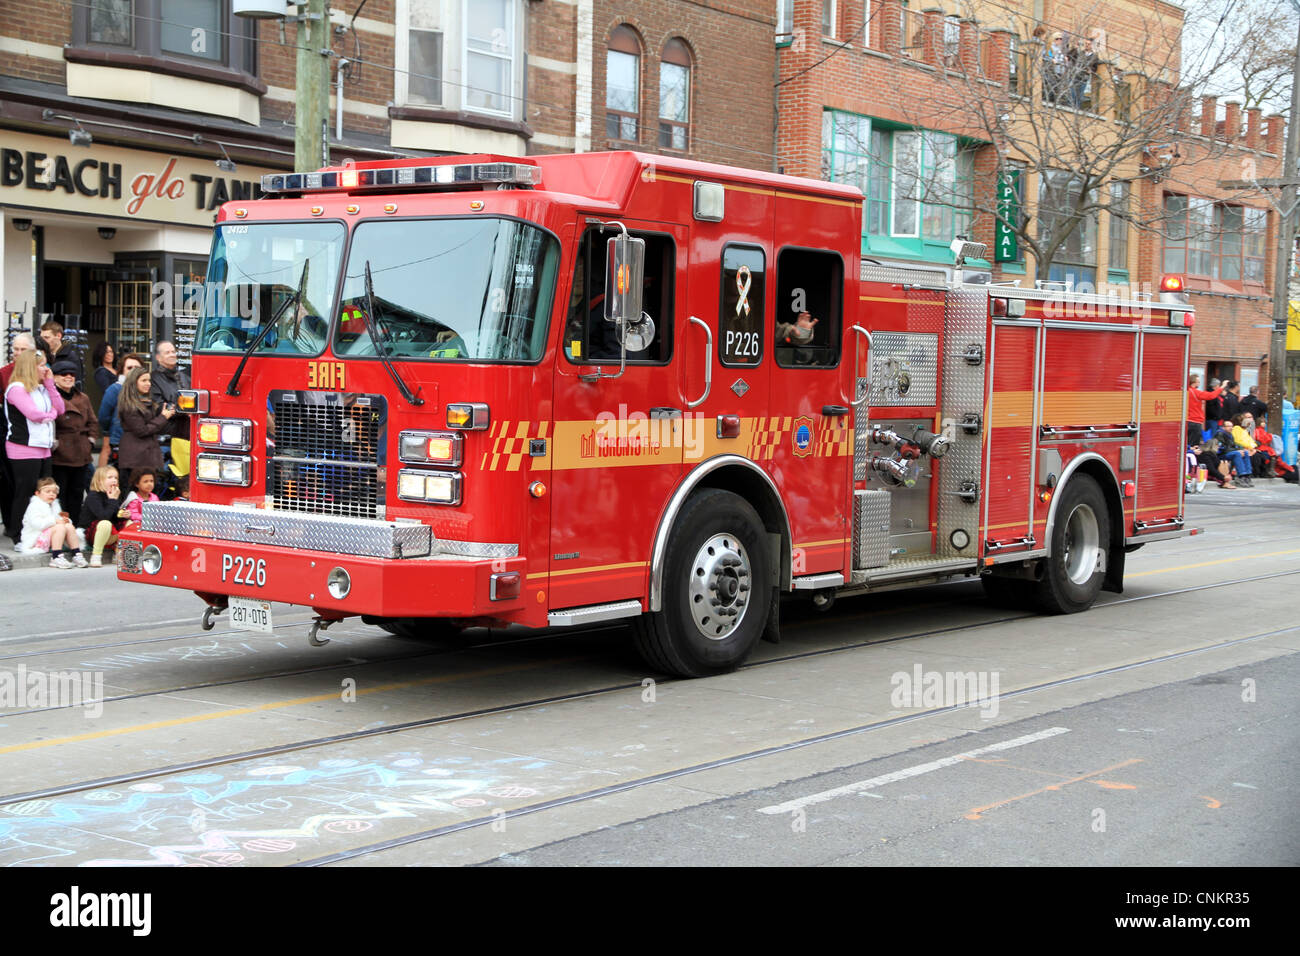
339 583
429 487
235 434
436 448
224 469
151 560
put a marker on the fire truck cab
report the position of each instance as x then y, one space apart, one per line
557 390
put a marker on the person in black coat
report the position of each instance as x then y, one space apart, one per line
104 512
1231 401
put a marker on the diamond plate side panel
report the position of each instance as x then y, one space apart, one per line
339 535
904 369
924 278
478 549
963 392
871 529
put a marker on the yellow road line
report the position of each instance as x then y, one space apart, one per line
1207 564
277 705
443 679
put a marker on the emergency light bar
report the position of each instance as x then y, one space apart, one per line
462 174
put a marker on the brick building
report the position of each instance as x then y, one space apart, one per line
940 113
125 123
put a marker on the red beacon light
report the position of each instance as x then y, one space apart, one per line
1173 289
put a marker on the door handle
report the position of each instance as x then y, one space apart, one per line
830 411
866 335
708 362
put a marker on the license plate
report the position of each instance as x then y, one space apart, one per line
250 614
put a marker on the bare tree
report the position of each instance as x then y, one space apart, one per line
1075 108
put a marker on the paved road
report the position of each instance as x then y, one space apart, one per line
561 747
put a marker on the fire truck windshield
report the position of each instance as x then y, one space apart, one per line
255 270
476 289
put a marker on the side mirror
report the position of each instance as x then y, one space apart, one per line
624 275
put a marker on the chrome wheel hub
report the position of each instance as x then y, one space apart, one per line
721 586
1080 554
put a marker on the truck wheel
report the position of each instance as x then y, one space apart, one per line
1075 565
716 589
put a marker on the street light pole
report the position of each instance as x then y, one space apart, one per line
311 110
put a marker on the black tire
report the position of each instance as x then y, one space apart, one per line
1073 570
719 543
1013 593
433 629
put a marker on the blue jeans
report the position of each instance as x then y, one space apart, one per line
1240 460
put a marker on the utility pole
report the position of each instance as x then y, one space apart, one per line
1285 250
311 111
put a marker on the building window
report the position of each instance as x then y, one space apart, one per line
110 22
674 96
866 23
784 17
166 30
918 183
828 18
489 55
1255 226
425 28
1075 259
191 28
623 85
1119 193
1215 240
459 56
952 42
932 185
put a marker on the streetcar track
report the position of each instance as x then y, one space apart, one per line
667 775
812 622
559 634
63 635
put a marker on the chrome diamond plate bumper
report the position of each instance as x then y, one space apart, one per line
301 532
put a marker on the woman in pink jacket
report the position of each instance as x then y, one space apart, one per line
31 405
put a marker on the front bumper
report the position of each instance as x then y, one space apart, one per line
215 556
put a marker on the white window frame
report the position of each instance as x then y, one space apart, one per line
511 92
835 13
454 15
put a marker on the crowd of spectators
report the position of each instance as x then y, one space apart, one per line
50 430
1229 436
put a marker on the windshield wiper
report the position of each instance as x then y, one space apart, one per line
233 387
379 346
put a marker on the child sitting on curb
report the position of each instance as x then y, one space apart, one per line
46 527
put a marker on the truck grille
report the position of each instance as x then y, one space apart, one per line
325 457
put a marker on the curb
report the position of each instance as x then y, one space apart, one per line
24 560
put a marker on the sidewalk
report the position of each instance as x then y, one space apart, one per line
30 559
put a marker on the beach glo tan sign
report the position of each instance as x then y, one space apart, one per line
45 172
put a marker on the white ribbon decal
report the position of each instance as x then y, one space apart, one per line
743 282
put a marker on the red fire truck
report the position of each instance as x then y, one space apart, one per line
548 391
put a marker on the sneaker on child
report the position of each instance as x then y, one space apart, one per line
59 561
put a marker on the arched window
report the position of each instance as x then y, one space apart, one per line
674 96
623 85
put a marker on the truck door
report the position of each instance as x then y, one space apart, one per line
618 441
810 398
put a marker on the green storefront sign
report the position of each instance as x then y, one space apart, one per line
1006 244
